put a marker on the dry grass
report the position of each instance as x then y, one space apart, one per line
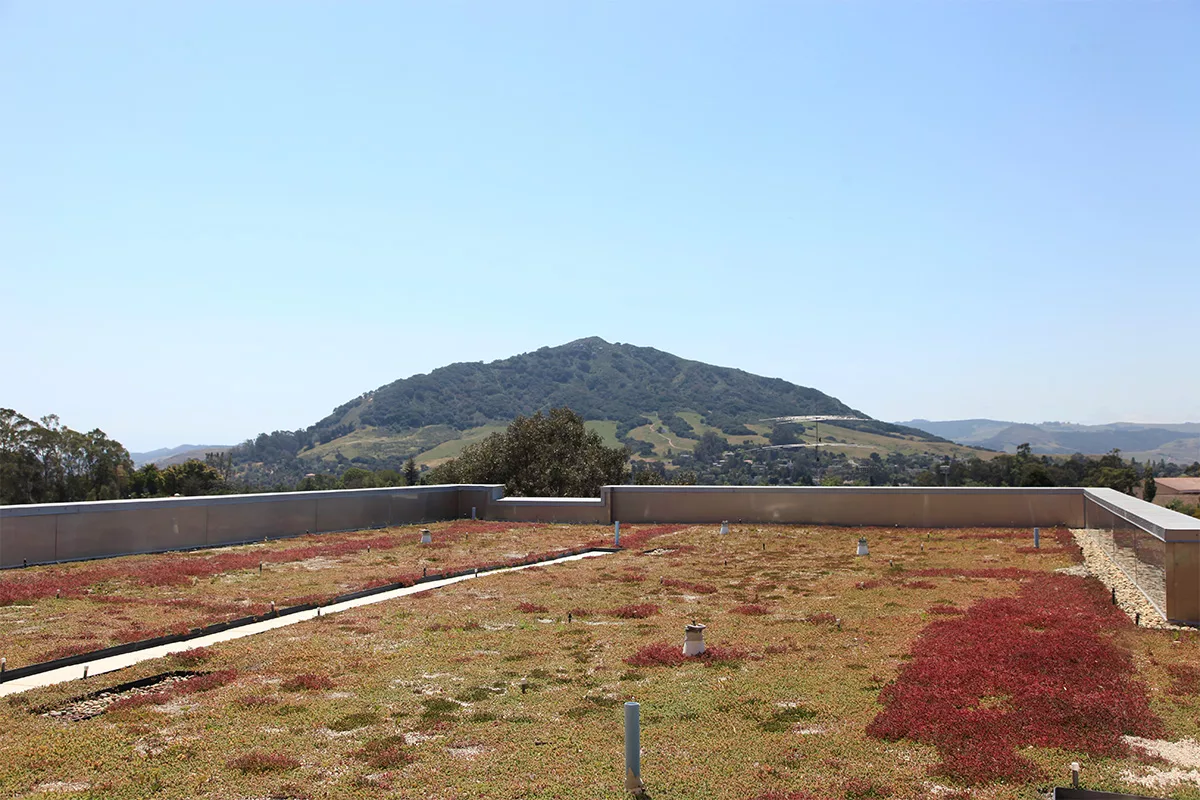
64 609
458 693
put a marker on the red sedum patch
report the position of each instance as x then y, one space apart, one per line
1038 669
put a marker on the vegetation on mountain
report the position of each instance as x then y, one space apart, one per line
543 455
597 379
650 401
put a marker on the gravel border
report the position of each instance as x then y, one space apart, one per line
1129 597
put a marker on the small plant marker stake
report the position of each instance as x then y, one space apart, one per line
568 617
1075 774
633 748
617 533
3 665
85 668
1137 620
1037 538
260 568
1114 595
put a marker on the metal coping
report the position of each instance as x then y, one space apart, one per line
1155 520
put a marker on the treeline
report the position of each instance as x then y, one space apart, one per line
47 462
1026 469
44 461
717 461
549 454
215 475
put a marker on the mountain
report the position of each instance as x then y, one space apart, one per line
653 401
166 456
1179 442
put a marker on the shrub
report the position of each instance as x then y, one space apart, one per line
139 700
698 588
996 573
259 763
531 608
194 657
634 611
633 538
206 682
384 753
665 654
945 611
751 610
860 789
306 683
352 722
64 651
581 612
1185 679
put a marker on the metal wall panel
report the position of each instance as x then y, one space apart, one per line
850 506
29 538
548 510
353 513
129 530
268 516
1183 582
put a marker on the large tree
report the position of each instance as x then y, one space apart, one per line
544 455
47 462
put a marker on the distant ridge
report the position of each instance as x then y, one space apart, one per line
165 456
1179 442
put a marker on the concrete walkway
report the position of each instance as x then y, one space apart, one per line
102 665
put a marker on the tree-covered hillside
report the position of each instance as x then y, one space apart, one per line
597 379
656 403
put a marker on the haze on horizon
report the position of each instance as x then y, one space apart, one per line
221 218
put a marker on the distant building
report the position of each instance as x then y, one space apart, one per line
1184 489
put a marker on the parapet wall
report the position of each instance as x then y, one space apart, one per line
69 531
906 507
1161 547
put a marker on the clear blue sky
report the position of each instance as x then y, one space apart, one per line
218 218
